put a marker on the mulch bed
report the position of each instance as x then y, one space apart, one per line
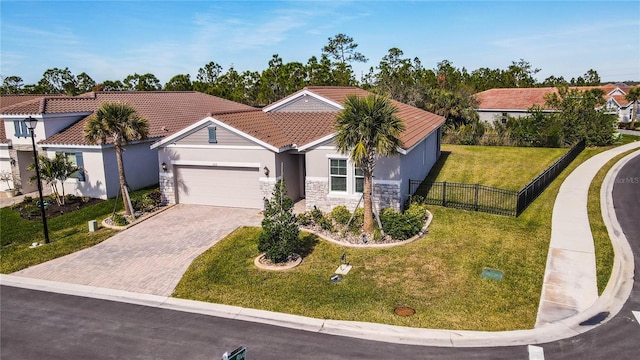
29 210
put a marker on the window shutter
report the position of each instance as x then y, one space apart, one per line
17 127
80 164
212 134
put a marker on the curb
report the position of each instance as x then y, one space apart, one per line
613 298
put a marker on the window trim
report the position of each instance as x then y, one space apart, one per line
345 176
355 180
350 178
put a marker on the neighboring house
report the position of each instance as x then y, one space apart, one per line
61 122
234 158
496 104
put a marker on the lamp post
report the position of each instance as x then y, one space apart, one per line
31 123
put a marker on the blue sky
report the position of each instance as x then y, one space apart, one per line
112 39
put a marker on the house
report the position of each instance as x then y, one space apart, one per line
496 104
234 158
60 128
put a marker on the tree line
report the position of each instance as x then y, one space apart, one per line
399 77
445 90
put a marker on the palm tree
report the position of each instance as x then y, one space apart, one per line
52 170
634 96
117 123
367 128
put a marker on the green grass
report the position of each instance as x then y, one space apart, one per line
503 167
67 233
439 275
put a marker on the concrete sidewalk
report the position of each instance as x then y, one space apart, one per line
570 275
570 283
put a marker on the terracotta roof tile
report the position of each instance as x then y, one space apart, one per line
419 123
282 129
525 98
513 98
166 111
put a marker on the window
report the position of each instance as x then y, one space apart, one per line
359 180
212 135
338 178
504 117
21 128
77 160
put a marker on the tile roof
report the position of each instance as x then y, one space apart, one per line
525 98
166 111
9 100
282 129
513 98
419 123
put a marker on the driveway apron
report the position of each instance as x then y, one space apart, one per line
150 257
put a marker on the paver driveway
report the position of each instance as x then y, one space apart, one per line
149 257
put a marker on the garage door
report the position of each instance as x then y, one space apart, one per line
220 186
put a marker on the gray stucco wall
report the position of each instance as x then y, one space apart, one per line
306 103
223 137
418 162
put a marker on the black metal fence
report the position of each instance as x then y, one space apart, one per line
473 197
535 187
488 199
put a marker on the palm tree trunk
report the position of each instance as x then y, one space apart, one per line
123 180
368 205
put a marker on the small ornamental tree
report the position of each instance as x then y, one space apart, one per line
279 237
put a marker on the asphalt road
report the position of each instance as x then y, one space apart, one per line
42 325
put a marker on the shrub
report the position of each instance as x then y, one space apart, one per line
119 220
30 209
402 226
279 237
325 223
155 197
358 220
147 202
304 219
316 214
70 198
27 199
341 215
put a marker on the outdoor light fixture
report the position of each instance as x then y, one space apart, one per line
266 171
164 166
12 162
31 123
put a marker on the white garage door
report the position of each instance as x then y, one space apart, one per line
220 186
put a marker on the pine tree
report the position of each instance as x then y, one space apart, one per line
279 237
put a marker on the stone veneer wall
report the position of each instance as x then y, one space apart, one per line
266 188
384 196
167 188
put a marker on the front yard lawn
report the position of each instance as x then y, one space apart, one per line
439 275
68 233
